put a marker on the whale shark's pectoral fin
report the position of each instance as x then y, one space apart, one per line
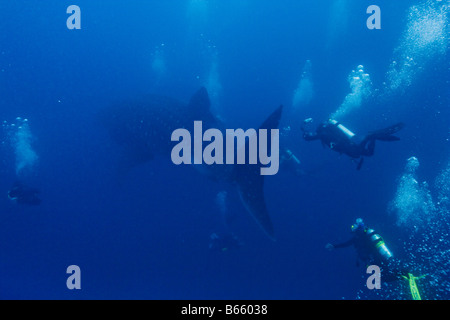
250 183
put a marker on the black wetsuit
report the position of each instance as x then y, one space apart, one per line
24 195
224 243
368 254
364 247
340 139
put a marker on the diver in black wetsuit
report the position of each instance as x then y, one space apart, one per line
23 194
224 243
371 249
340 139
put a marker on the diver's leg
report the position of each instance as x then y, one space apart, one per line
395 269
367 147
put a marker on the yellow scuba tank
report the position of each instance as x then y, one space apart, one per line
381 247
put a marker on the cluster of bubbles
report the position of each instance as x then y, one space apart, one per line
426 248
305 90
221 201
159 67
443 187
19 136
197 12
212 82
425 39
361 88
208 76
413 204
338 20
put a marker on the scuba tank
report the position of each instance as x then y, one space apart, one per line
344 130
379 244
292 156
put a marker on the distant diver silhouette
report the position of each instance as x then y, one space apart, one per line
23 194
290 161
224 242
340 139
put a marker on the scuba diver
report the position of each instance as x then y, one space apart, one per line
372 250
369 245
287 155
23 194
224 243
340 139
290 161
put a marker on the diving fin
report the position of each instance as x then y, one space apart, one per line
387 138
360 163
413 286
386 134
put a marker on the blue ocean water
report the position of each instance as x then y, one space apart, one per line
146 234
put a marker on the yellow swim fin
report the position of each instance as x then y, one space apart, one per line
413 286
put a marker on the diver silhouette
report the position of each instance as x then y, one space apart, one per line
224 242
369 245
371 249
22 194
290 161
340 139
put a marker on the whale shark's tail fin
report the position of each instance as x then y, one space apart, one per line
250 183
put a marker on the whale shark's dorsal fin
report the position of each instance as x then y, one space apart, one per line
199 104
273 121
250 183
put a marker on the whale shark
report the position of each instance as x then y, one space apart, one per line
143 128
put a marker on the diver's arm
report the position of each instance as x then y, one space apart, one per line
344 244
310 136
